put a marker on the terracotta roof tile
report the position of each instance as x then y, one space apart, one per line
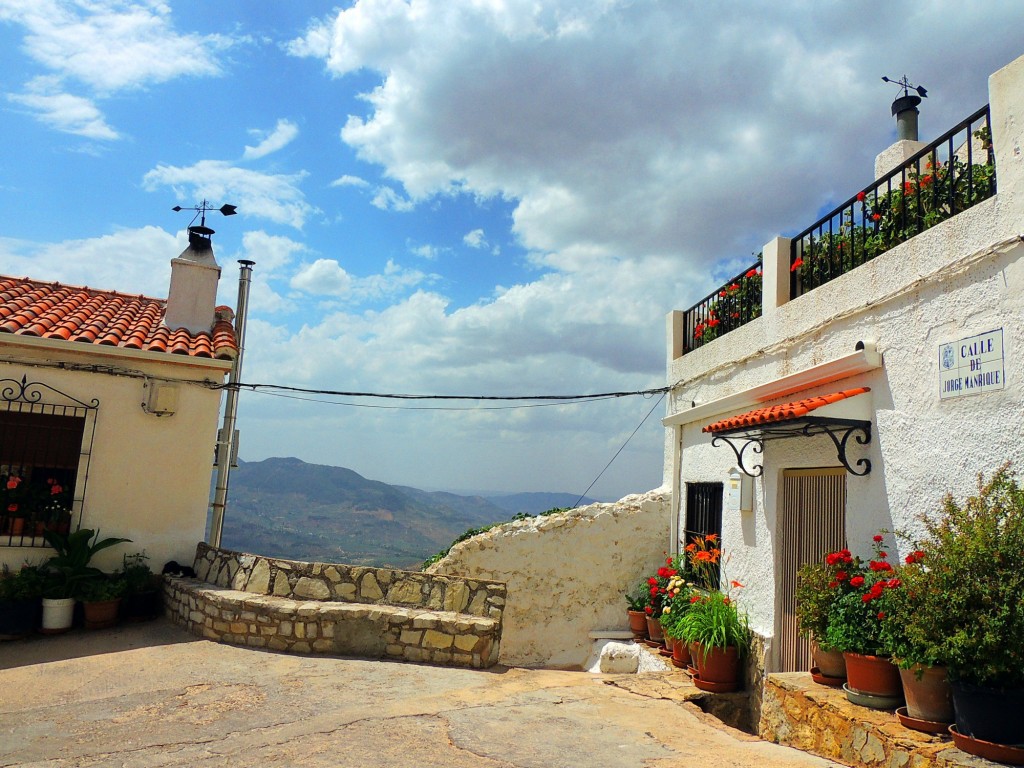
84 315
784 412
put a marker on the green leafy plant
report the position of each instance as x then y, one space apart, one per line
24 584
69 568
714 621
102 588
964 604
815 597
639 598
136 573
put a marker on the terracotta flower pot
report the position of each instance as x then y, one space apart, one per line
875 675
929 697
681 652
830 663
638 624
654 630
719 665
101 614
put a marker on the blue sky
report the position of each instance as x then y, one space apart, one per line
494 197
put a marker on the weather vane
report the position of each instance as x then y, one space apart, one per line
906 85
226 210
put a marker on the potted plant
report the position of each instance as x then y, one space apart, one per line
20 594
101 598
855 627
142 598
676 604
713 625
66 571
657 588
974 576
815 595
912 614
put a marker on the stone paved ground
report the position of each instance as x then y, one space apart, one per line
151 695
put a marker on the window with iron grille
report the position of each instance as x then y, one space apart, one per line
45 447
703 512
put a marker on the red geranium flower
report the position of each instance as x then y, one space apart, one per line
796 264
876 216
877 538
860 197
857 581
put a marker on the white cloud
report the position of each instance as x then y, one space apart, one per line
644 128
106 46
275 197
110 45
323 276
283 134
326 277
387 199
63 111
110 262
428 252
475 239
350 181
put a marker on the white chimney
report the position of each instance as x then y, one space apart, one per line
193 293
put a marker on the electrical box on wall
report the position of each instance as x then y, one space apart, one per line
739 492
161 398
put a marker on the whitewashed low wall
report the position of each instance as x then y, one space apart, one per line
566 574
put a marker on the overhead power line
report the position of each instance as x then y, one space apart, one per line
395 396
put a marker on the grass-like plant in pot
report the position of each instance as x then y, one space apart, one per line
713 624
967 608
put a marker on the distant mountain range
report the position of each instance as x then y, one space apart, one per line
290 509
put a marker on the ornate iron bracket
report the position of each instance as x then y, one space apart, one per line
12 390
839 432
739 445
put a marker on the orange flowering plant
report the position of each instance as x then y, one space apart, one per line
713 618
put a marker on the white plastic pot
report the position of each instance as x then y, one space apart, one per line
57 615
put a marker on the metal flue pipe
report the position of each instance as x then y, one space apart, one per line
226 438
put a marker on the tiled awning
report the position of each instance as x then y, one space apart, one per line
802 418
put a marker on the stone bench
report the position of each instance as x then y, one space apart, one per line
301 607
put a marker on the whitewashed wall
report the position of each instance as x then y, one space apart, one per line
960 278
566 574
149 478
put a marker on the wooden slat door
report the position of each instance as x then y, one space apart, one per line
812 521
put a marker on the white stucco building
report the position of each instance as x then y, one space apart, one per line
934 330
103 398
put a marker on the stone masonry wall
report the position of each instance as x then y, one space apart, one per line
347 583
800 713
566 573
324 608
